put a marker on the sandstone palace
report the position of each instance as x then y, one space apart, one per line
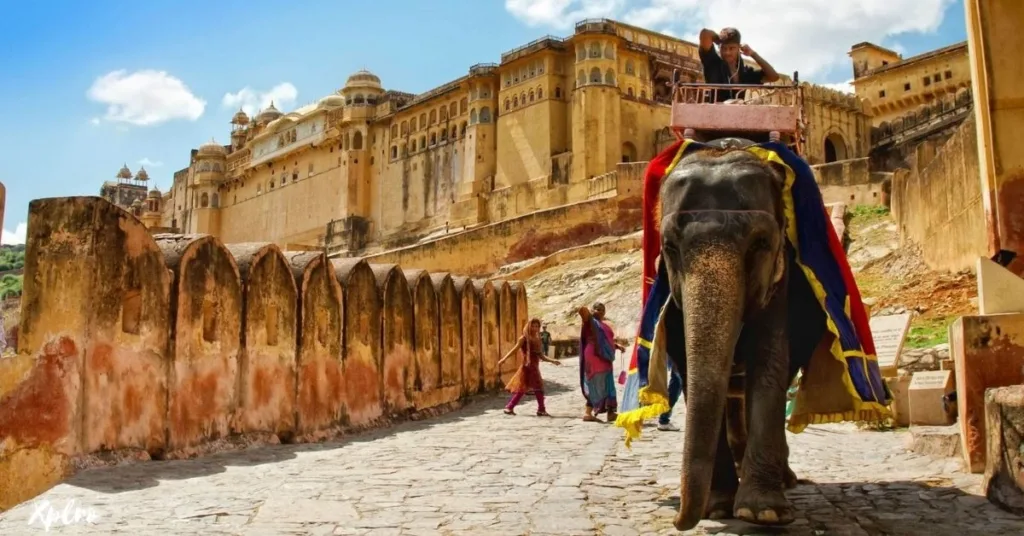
368 168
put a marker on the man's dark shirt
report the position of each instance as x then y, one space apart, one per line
545 340
716 71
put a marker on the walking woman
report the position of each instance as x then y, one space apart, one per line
528 378
597 356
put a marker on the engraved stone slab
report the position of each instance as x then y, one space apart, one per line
889 332
926 392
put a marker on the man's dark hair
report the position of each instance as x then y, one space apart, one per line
730 36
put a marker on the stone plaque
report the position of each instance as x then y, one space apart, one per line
889 333
926 392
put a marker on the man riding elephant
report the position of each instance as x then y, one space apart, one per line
727 67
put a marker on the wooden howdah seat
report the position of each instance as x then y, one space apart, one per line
761 113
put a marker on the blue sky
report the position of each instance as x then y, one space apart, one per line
89 86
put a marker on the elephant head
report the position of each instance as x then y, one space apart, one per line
723 249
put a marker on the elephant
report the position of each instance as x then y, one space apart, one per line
749 321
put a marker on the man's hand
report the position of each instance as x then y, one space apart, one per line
747 51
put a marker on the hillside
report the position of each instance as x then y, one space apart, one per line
891 279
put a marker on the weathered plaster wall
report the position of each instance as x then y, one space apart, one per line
168 346
939 205
851 182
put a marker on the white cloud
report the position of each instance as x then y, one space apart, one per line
811 36
845 87
149 163
250 100
95 120
17 237
145 98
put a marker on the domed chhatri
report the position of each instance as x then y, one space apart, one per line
125 173
363 79
331 101
142 175
240 118
212 148
268 115
154 193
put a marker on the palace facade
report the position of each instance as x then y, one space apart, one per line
368 166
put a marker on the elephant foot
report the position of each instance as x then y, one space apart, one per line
763 507
789 478
720 505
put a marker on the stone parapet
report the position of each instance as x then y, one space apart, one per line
175 345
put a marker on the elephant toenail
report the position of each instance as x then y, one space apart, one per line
717 514
768 516
745 514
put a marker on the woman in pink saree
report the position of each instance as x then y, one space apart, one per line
597 356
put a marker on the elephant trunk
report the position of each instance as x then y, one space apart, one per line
713 287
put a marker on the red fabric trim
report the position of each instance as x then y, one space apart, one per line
858 315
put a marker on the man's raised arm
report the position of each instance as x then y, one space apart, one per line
708 39
769 72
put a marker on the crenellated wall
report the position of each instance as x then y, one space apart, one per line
169 346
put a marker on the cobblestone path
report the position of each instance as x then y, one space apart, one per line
478 471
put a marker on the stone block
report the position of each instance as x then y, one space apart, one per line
398 362
449 316
320 402
490 336
427 340
267 374
1004 463
900 389
889 332
509 328
362 342
470 320
999 290
925 396
936 441
988 352
206 302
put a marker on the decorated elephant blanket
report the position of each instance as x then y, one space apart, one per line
841 383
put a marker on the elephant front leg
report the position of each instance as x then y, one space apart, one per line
761 497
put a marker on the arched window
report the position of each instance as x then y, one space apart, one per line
558 92
444 134
508 105
629 92
433 117
609 51
595 49
540 93
472 114
272 184
423 142
581 78
522 98
444 113
215 201
455 132
359 98
581 52
405 127
394 131
485 115
423 120
630 68
453 110
595 76
357 141
533 69
204 200
462 130
532 95
463 105
609 77
643 93
412 125
433 139
515 102
394 152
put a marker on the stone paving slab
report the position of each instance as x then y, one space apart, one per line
478 471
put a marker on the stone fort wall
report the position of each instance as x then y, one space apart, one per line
170 345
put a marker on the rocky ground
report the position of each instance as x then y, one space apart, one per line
478 471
